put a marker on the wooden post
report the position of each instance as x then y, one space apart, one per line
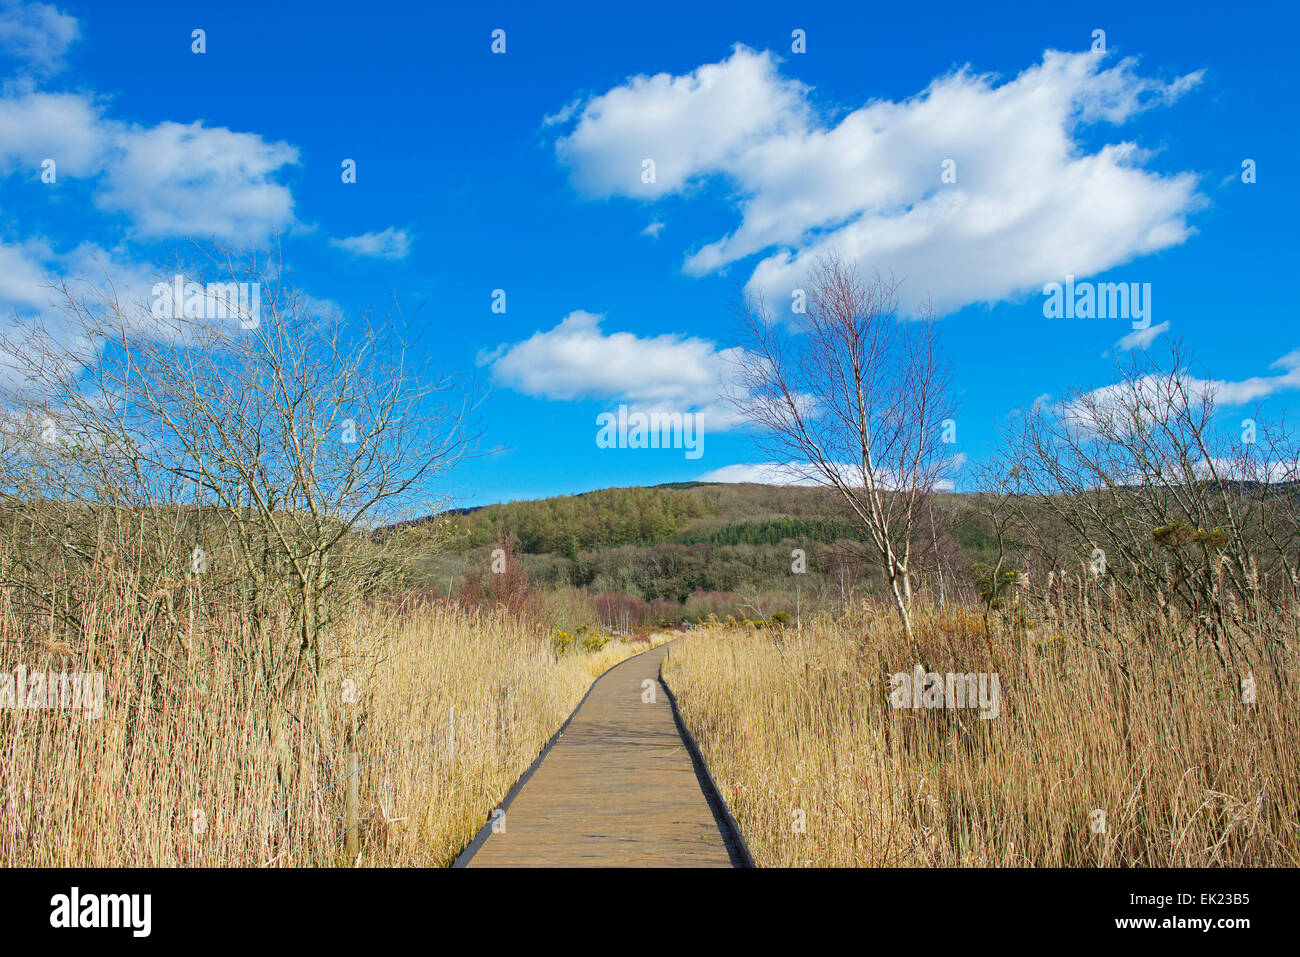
351 839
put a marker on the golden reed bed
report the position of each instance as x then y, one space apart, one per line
175 772
1104 752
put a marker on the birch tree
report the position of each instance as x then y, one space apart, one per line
851 395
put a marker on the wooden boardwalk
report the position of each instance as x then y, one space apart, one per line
619 787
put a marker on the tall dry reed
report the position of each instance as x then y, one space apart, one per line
1112 746
184 766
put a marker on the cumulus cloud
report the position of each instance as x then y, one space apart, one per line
390 243
178 179
169 180
689 126
66 127
1029 202
152 181
577 359
37 34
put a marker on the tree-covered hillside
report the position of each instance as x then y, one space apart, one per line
688 549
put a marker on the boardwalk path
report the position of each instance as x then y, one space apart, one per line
620 786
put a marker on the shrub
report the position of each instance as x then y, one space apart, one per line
561 642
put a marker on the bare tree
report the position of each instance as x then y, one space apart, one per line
1165 507
257 441
995 504
853 396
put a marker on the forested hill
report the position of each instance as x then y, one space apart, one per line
684 550
680 513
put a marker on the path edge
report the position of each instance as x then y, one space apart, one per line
479 839
737 838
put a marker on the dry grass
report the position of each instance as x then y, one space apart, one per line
176 772
797 726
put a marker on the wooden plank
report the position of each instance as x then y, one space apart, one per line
618 788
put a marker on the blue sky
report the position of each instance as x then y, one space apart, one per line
522 172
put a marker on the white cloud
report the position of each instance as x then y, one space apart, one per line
803 473
563 114
391 243
761 473
170 180
692 125
578 360
1254 388
1154 392
167 180
22 280
654 229
1248 468
27 268
37 34
322 307
178 179
1289 361
66 127
1030 203
1141 338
